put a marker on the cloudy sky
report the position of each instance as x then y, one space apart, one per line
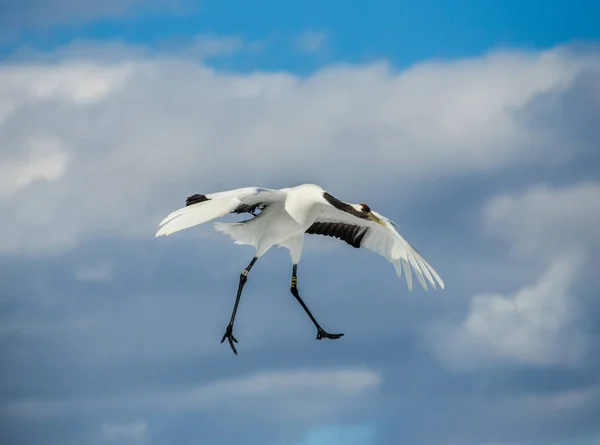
475 126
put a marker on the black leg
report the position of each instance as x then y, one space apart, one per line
320 331
229 332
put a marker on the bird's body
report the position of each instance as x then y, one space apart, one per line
286 216
272 226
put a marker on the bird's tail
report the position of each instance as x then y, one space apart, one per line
238 231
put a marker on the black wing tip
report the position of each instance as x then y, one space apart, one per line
195 199
349 233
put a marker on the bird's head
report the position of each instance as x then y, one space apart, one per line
368 214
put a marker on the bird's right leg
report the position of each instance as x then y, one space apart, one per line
321 333
229 332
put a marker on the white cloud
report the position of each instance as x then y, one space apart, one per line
41 159
286 395
347 435
213 45
311 42
337 381
142 134
537 324
134 432
545 221
78 83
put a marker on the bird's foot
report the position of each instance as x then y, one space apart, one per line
322 334
229 336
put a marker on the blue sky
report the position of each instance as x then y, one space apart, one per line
470 124
403 32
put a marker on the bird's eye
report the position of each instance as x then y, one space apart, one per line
366 208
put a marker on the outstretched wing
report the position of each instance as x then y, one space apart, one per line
381 239
202 208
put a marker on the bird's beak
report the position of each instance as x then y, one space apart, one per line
372 217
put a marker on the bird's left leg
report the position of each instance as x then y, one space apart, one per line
321 333
229 332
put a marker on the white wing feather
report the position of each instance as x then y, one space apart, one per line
387 242
218 205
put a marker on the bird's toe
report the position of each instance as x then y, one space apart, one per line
230 338
321 334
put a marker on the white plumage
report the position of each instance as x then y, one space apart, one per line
288 214
285 217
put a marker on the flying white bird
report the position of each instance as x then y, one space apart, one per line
284 217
